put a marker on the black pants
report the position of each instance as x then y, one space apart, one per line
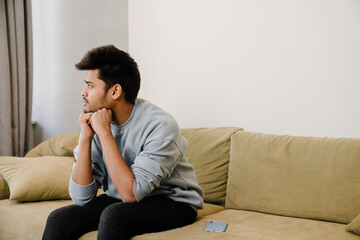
117 220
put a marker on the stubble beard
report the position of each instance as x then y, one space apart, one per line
101 103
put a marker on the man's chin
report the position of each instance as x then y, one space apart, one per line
90 110
87 111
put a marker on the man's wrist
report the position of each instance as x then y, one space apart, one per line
104 134
86 139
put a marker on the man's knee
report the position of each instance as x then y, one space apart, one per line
54 225
59 224
115 222
57 217
115 214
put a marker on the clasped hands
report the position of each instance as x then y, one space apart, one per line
95 122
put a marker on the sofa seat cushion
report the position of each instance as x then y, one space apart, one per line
26 220
307 177
256 226
209 209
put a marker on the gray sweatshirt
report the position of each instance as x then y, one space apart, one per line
154 149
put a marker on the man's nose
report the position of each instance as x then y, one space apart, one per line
83 92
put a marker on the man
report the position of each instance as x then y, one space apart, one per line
130 148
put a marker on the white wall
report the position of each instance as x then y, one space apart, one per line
64 30
279 66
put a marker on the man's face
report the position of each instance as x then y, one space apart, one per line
94 93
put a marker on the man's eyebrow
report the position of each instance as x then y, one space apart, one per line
88 82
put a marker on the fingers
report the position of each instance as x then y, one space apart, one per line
85 117
86 129
103 115
103 111
101 120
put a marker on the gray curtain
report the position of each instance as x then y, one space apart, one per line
15 77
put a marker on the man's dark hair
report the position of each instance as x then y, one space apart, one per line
115 67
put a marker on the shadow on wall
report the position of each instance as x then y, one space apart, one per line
37 133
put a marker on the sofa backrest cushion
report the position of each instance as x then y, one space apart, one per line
62 145
307 177
209 152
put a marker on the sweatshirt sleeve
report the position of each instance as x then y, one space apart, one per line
83 195
155 163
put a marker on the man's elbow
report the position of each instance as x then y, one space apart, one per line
129 198
81 201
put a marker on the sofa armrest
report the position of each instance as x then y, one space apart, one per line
4 188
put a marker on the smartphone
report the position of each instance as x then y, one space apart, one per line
216 227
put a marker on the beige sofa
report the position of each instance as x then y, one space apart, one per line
264 186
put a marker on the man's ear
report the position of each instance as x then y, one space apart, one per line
116 91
